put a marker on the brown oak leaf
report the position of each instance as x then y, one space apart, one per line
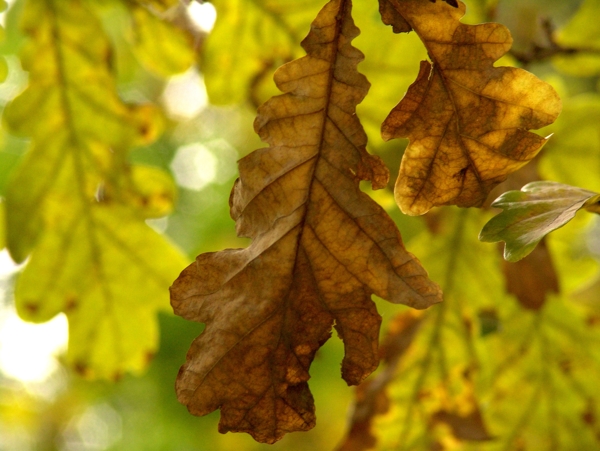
467 121
320 247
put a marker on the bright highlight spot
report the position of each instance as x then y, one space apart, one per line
197 165
98 428
159 224
203 15
28 351
185 95
194 166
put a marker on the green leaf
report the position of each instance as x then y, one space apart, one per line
77 206
581 33
250 39
532 213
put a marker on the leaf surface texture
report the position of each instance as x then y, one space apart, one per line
320 248
532 213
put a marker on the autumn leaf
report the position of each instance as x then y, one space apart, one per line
466 120
81 219
266 33
532 213
320 248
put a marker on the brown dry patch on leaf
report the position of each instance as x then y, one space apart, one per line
466 120
371 396
468 427
459 412
531 278
320 247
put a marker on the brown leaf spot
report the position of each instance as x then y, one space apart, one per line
589 414
82 368
71 303
464 427
149 356
31 307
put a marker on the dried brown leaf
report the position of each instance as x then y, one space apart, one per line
531 278
467 121
320 247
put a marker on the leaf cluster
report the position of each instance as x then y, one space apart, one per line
506 361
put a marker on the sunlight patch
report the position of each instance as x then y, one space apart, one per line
197 165
203 15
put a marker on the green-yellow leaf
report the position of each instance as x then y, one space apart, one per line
581 33
572 156
107 271
160 46
76 206
150 191
250 39
532 213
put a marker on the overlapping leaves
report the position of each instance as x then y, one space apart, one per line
467 121
482 373
320 248
81 216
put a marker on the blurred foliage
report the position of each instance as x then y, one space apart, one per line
85 165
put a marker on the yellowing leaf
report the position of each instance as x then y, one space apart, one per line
466 120
160 46
532 213
107 271
81 215
150 191
440 368
320 248
249 40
